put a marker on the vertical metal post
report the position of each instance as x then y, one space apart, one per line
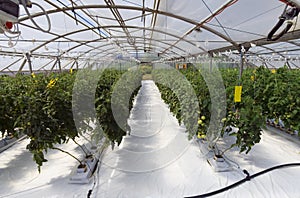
242 53
22 65
29 62
51 70
288 64
76 64
59 64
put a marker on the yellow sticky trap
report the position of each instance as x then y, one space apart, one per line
238 94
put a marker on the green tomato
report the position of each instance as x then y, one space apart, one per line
202 117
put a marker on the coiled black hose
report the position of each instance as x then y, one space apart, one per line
247 178
287 15
276 27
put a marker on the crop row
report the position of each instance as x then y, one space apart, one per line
53 109
265 94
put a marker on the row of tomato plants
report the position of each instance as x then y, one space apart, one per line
265 94
42 107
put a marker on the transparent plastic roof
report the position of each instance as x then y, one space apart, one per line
89 30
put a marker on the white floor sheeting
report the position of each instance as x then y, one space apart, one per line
155 161
19 176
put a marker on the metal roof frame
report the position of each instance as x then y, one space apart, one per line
128 42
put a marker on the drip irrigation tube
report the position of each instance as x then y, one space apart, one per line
287 15
247 178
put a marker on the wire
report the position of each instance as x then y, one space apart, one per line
247 178
220 11
84 19
95 179
10 43
256 16
33 21
97 167
237 30
133 3
216 18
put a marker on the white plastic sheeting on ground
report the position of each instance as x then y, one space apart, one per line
155 161
19 175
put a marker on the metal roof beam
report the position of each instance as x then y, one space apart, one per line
200 24
7 67
120 20
96 40
261 42
43 67
137 9
22 65
72 17
129 27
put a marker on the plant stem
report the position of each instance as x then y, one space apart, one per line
67 153
80 147
227 149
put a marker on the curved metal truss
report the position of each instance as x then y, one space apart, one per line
169 30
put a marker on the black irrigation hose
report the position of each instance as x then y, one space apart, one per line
248 178
288 14
276 27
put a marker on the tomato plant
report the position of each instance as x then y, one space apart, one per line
41 107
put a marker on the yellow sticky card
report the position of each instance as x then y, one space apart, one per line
238 94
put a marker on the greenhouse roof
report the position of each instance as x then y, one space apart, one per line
67 33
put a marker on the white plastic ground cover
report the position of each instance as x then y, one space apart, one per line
155 161
7 140
19 176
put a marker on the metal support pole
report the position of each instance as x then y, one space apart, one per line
7 67
242 53
59 64
28 57
51 70
76 65
288 64
22 65
73 64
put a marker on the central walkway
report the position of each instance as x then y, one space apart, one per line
146 158
157 161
